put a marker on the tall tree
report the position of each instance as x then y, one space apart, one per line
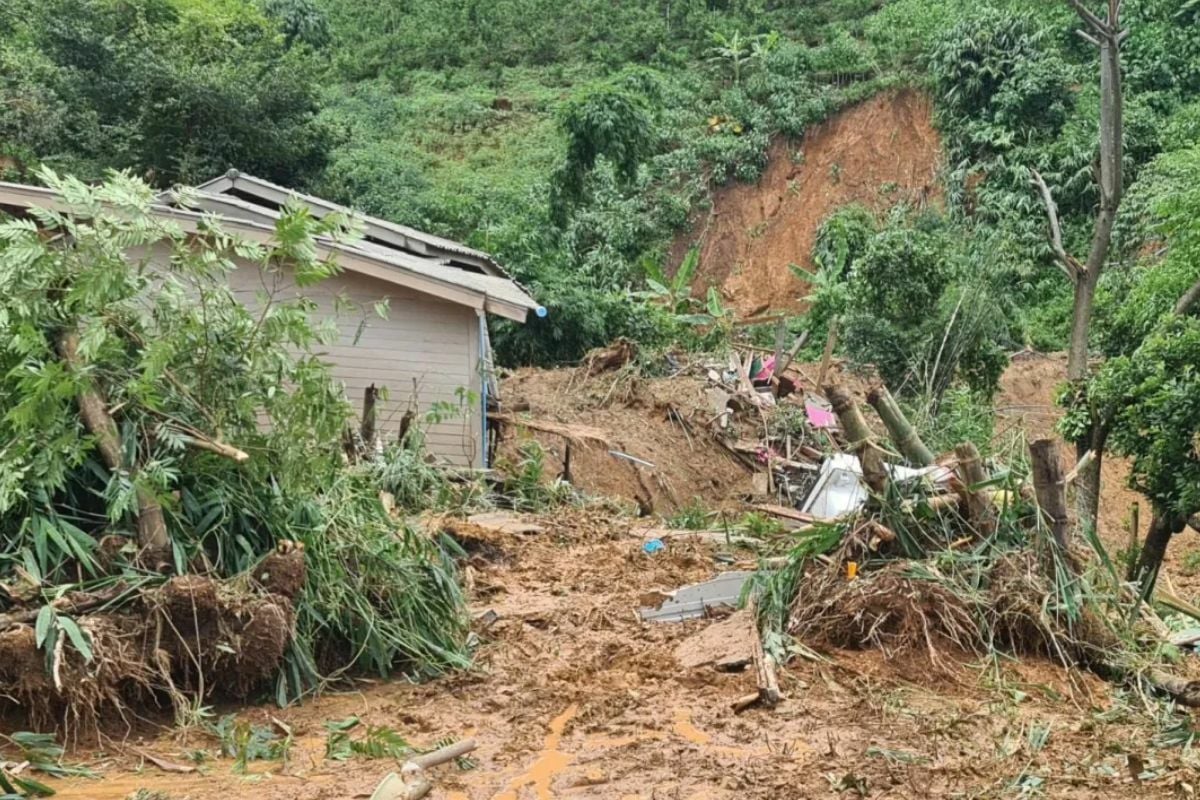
1106 34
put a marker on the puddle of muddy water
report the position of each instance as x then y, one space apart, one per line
549 763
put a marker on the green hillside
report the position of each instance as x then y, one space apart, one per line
573 139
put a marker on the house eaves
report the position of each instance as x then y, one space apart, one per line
389 233
487 293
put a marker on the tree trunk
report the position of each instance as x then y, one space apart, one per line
870 456
827 355
1050 487
367 430
1088 476
93 410
1107 35
901 430
1162 527
979 503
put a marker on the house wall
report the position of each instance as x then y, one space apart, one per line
424 352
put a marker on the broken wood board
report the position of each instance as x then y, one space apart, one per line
576 433
725 645
785 513
504 522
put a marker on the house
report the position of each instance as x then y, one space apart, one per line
429 352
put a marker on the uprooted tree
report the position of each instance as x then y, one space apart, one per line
171 470
974 562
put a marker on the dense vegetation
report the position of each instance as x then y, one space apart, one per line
573 139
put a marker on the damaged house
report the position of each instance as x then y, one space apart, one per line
429 351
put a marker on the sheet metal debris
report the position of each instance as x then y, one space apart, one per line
839 488
695 601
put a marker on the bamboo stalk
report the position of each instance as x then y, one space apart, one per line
93 410
899 428
1135 514
870 455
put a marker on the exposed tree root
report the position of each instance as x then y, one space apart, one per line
189 636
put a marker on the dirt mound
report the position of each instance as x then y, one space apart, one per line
877 153
659 425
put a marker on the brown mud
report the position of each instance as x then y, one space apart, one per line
574 697
878 153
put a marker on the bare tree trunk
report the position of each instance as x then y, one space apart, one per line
1050 487
1162 528
1188 299
1107 35
899 428
827 355
93 410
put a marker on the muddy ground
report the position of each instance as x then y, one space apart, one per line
575 697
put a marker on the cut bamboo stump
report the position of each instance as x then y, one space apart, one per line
862 442
979 506
899 428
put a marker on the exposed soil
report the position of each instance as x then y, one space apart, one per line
664 422
648 419
575 697
878 153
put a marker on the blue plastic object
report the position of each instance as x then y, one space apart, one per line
653 546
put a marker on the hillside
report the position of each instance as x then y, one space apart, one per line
835 430
878 153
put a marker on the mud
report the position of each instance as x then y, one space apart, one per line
878 153
580 699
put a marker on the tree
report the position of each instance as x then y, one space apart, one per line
739 51
606 122
1155 397
1148 392
1106 35
116 376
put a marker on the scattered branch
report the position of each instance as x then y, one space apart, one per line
1188 299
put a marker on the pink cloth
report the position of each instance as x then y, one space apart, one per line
819 417
768 369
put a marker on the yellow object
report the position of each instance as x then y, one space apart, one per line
851 570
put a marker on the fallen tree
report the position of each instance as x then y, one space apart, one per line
950 577
176 516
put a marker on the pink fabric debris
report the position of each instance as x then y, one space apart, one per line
768 369
819 417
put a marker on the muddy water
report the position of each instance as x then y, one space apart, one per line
549 763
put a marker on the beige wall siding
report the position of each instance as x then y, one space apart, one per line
424 342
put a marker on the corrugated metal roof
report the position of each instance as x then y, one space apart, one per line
494 293
249 184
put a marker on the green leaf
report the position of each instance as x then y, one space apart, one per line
342 725
78 638
45 622
715 308
687 271
33 788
